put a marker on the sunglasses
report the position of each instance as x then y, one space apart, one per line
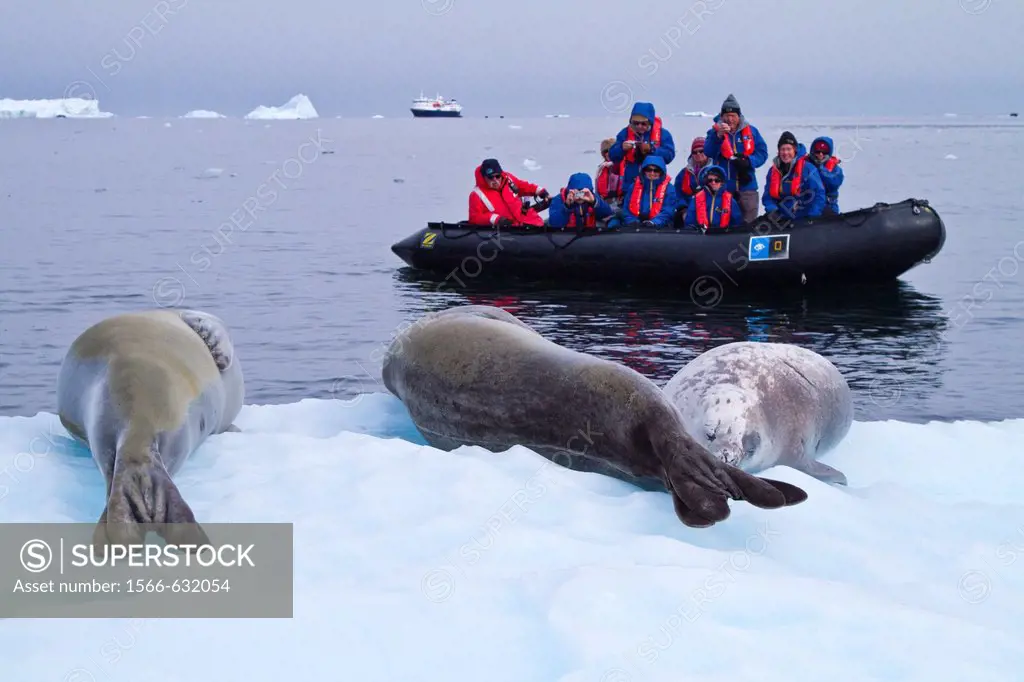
713 179
639 123
821 151
652 169
495 176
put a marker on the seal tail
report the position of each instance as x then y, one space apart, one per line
142 498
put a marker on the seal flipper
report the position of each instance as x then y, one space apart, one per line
702 485
822 472
142 493
213 335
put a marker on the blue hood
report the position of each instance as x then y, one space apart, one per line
655 160
710 167
826 140
645 109
579 181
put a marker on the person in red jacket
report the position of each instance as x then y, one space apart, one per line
497 198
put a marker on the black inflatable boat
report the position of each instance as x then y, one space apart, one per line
867 245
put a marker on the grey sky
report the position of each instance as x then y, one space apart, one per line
527 57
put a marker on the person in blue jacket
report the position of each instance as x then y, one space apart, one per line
577 205
651 199
737 146
643 136
793 187
831 173
713 205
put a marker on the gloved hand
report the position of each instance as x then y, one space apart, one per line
741 163
646 147
542 194
503 222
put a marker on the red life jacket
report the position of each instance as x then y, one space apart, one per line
659 197
703 219
832 162
609 182
746 136
688 182
655 140
591 215
775 179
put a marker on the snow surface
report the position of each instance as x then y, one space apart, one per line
297 107
203 113
71 107
416 564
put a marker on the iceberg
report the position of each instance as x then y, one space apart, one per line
411 563
203 113
69 107
298 107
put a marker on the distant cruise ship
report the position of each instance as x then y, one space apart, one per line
438 107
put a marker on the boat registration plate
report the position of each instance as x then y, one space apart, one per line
769 247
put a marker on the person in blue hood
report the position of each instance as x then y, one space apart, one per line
793 187
577 205
651 199
738 147
713 205
643 136
822 157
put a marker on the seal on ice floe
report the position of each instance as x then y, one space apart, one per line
143 390
476 375
757 405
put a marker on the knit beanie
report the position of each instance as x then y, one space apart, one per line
697 145
787 138
731 104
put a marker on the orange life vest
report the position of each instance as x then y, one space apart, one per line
659 197
609 180
775 179
746 136
687 184
589 221
703 219
655 140
832 162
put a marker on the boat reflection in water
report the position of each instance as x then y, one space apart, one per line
887 340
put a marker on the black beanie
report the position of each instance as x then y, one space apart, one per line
787 138
490 168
